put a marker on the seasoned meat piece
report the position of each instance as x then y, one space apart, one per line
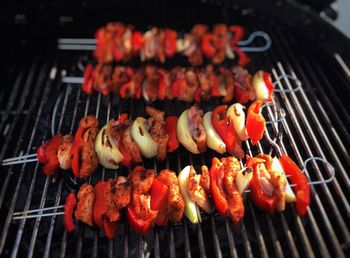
85 205
176 203
120 76
196 191
63 153
150 83
112 210
89 158
199 30
121 191
229 82
130 145
88 121
196 128
244 90
196 57
142 180
205 180
158 131
191 86
234 197
160 46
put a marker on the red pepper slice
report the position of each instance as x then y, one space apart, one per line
238 33
100 205
139 225
110 228
40 153
255 122
137 42
214 82
125 89
47 154
197 95
159 194
216 186
171 123
302 188
69 206
269 85
178 87
127 161
224 127
76 150
170 40
207 47
87 82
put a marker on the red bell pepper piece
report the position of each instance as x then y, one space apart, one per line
87 82
269 85
197 95
302 188
241 94
76 150
216 186
137 42
41 152
139 225
178 87
159 194
238 33
214 82
255 122
117 53
69 206
125 89
159 197
224 127
171 123
207 46
259 198
170 40
47 154
100 205
110 228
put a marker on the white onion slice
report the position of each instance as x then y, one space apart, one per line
214 140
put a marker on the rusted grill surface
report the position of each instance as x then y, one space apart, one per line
316 124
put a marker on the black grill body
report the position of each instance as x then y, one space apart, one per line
316 124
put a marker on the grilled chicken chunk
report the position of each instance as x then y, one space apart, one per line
63 153
158 131
85 205
176 203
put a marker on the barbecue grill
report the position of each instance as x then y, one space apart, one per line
35 102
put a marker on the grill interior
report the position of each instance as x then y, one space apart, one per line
316 124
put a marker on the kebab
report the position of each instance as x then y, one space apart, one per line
119 42
151 199
186 84
124 141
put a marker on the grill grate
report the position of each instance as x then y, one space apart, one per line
316 125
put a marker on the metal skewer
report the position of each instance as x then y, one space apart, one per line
89 44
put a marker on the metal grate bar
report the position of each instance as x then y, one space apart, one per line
32 184
311 217
321 130
21 176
